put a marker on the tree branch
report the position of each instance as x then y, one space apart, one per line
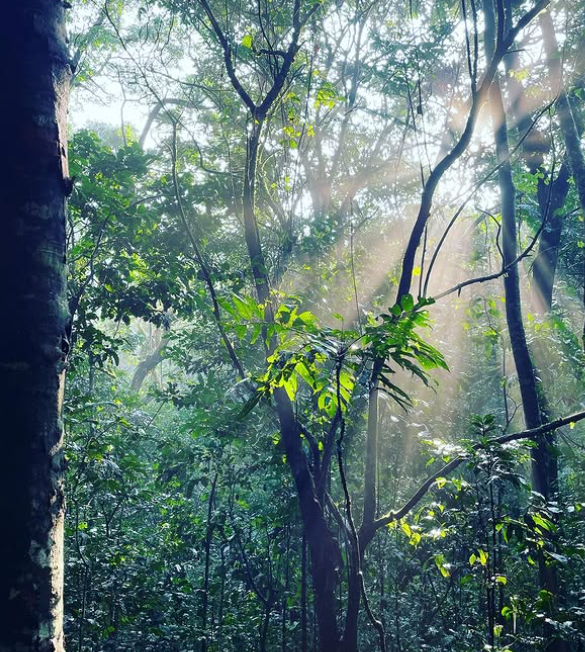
506 268
201 262
477 100
227 56
532 433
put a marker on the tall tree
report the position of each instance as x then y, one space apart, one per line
534 415
33 341
569 129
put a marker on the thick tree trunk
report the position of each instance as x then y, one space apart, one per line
35 76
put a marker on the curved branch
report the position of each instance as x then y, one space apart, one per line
532 433
153 115
477 186
506 268
477 100
201 262
227 56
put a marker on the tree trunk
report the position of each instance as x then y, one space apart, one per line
522 359
148 364
304 621
366 532
531 403
207 544
545 263
566 119
36 76
551 191
324 549
350 633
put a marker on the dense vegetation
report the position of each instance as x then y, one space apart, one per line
324 257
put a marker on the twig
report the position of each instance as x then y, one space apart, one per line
200 261
532 433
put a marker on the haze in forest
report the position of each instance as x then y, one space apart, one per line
320 348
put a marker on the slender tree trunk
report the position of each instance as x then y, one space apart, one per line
205 587
285 593
350 636
551 192
566 119
552 195
531 404
522 359
494 56
324 549
35 75
222 571
257 260
265 626
371 464
545 263
304 622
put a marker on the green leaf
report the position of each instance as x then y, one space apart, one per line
442 566
250 404
542 522
291 386
407 303
243 307
396 310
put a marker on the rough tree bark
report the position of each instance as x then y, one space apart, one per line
33 343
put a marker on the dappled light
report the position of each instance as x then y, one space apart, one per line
315 381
